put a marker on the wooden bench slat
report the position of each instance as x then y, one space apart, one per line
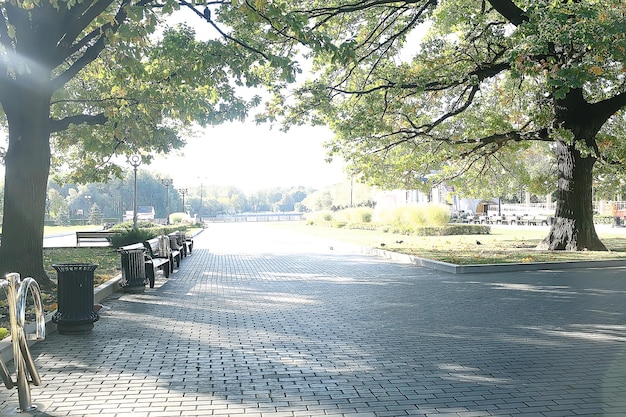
94 236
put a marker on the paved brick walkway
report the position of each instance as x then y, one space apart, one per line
261 323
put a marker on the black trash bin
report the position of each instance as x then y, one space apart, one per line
133 262
75 314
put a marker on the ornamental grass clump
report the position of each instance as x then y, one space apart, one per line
322 217
410 219
355 215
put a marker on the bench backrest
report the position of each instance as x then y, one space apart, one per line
97 233
159 247
177 239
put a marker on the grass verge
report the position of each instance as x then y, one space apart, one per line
505 244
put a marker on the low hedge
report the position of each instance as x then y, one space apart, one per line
145 230
449 229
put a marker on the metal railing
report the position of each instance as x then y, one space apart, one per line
25 369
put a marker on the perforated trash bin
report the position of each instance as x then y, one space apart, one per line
75 300
134 277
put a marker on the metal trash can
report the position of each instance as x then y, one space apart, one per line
134 277
75 299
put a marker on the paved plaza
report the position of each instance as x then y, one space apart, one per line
261 322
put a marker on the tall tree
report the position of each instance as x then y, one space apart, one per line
87 80
458 86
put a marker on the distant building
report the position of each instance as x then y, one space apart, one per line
143 213
401 198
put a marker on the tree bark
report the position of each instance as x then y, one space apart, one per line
573 228
26 178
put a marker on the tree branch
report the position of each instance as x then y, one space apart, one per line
500 139
510 11
207 17
78 18
482 73
604 109
91 120
93 51
359 6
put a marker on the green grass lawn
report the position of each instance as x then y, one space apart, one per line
53 230
503 245
107 259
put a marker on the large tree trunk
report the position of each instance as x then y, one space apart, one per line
26 179
573 228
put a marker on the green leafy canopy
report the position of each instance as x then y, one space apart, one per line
456 90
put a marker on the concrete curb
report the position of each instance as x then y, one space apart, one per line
487 268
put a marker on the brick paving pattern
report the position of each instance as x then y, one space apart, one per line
259 322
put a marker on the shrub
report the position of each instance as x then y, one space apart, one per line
127 226
176 218
437 214
145 230
319 217
356 215
421 220
454 229
406 219
131 236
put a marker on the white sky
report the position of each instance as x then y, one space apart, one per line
253 157
248 155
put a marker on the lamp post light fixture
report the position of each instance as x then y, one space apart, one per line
167 182
135 161
183 191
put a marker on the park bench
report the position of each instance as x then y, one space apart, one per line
183 243
497 219
535 220
512 219
159 254
94 236
177 243
528 220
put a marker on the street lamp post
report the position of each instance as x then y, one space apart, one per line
202 179
183 191
167 182
87 209
135 161
201 202
351 190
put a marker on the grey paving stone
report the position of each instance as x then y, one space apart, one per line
260 322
